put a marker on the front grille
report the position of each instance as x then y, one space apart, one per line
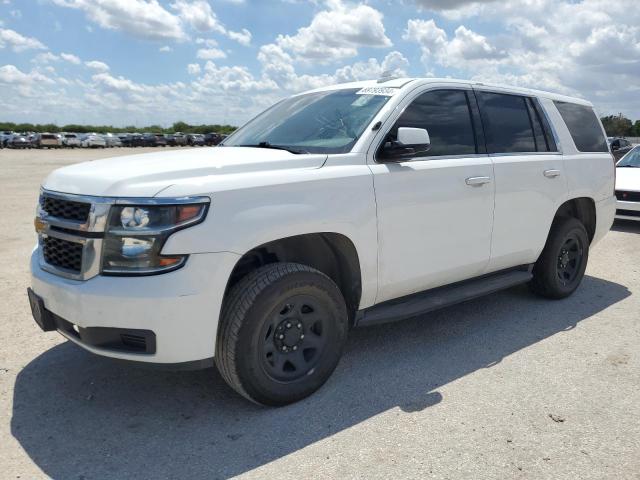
62 253
65 209
628 196
628 213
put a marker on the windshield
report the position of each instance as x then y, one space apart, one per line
631 159
320 122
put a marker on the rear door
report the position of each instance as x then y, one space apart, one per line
435 211
530 177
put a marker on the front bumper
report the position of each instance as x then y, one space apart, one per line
628 210
181 308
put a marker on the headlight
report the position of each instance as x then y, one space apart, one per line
136 234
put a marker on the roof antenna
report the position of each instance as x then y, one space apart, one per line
386 76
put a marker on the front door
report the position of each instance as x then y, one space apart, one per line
435 211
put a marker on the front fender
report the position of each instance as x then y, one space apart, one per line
336 199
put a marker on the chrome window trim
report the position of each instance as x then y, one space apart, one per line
96 224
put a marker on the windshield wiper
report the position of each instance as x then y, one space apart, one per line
627 166
276 147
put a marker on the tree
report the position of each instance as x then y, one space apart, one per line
617 125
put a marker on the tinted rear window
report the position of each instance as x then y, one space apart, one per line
508 122
584 127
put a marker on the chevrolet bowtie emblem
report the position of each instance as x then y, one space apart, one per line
39 224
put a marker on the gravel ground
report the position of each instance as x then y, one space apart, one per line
507 386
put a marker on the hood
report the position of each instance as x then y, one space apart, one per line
147 174
628 179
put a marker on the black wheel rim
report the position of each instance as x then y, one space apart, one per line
570 259
293 338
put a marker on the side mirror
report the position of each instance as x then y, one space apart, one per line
410 143
414 137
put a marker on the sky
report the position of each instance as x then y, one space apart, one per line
142 62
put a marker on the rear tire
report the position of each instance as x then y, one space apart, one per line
282 332
560 268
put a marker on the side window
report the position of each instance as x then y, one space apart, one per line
446 116
584 127
508 123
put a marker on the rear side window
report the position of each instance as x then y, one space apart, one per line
507 120
446 116
584 127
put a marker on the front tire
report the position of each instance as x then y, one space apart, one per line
282 332
560 268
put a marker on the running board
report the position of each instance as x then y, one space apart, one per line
434 299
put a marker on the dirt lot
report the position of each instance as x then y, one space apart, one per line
508 386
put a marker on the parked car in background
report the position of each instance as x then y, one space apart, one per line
111 140
136 140
148 140
160 140
171 140
92 140
48 140
628 186
619 147
195 140
20 140
180 139
70 140
125 139
212 139
5 136
255 256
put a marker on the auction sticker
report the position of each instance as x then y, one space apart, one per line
377 91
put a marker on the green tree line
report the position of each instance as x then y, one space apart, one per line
620 126
176 127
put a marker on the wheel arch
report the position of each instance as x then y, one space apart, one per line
333 254
583 209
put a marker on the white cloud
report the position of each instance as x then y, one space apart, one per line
26 85
194 69
466 46
449 4
44 58
97 65
165 49
140 18
71 58
199 15
337 33
395 64
210 53
12 39
243 37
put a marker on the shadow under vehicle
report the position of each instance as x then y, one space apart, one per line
81 416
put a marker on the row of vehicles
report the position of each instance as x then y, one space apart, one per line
10 139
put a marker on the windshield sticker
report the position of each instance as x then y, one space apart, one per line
386 91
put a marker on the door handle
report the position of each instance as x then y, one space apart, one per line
553 173
477 181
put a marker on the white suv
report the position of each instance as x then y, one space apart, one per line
344 206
